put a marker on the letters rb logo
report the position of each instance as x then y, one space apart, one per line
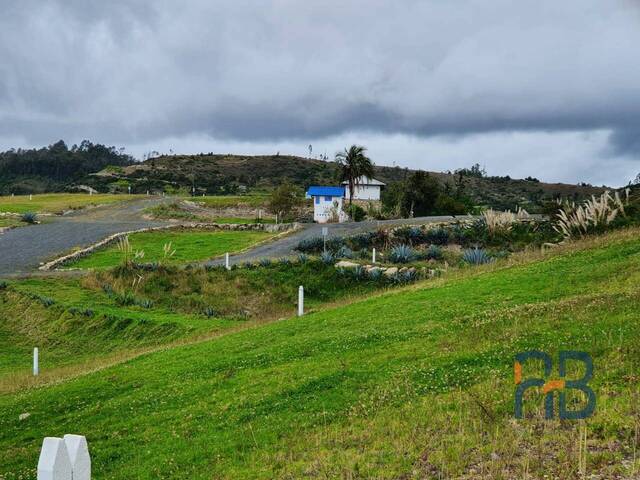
549 386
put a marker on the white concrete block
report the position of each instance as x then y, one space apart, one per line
79 456
54 462
300 301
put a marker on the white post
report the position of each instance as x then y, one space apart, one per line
300 301
90 192
79 456
30 197
147 193
54 462
36 366
226 261
129 188
374 255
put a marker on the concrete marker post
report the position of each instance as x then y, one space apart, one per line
226 261
36 362
300 301
373 259
54 462
79 456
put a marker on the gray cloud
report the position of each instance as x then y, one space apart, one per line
138 71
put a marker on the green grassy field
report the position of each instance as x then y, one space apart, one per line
10 222
190 246
222 201
416 383
58 202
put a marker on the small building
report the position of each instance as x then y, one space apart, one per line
365 189
327 204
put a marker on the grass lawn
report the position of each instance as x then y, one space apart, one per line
58 202
190 246
222 201
416 383
11 222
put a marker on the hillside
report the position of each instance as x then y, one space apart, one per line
223 174
416 383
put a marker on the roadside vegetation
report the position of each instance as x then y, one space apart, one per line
188 245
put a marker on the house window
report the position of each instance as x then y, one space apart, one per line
327 199
317 200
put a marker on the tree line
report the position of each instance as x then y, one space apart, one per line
54 167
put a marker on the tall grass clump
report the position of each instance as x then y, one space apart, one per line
593 215
126 251
501 222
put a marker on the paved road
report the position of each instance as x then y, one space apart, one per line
23 249
285 246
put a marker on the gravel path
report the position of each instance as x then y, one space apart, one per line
23 249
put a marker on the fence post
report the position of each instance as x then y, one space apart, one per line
79 456
54 462
36 362
226 261
374 255
300 301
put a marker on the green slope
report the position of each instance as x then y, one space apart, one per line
409 384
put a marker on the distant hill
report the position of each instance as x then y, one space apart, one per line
59 168
230 173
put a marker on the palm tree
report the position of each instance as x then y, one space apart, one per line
354 165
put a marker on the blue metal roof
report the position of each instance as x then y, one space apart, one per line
326 191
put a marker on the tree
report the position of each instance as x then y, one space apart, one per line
354 164
285 200
421 194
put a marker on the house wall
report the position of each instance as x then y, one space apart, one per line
364 192
322 208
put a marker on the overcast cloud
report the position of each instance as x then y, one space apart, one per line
545 88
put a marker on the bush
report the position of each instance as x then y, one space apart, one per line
209 312
361 240
311 245
302 258
356 212
437 236
327 257
344 252
410 235
335 243
265 262
29 217
434 252
402 254
3 285
476 256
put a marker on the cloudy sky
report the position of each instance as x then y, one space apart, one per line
545 88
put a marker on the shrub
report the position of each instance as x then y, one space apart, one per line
284 261
3 285
327 257
265 262
311 245
410 235
356 212
209 312
476 256
591 216
434 252
29 217
335 243
248 265
375 274
402 254
144 303
344 252
361 240
437 236
302 258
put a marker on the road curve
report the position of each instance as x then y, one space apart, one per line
23 249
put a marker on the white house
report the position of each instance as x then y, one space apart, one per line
365 189
327 204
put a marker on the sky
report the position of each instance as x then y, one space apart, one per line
542 88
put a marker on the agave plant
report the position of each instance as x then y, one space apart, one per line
437 236
344 252
476 256
434 252
327 257
402 254
303 258
265 262
29 217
